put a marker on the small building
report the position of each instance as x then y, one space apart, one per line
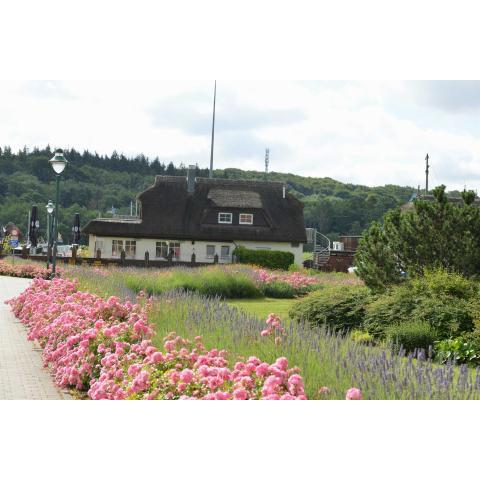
430 198
181 216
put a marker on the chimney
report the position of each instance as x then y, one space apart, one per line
283 191
191 178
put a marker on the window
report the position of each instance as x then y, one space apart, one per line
210 251
174 247
99 245
224 217
130 248
225 252
246 219
117 247
163 248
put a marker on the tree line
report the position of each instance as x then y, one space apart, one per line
92 184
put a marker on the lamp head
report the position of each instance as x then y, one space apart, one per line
58 162
50 207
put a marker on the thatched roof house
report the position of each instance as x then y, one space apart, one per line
215 212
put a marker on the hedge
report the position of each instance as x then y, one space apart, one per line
339 308
274 259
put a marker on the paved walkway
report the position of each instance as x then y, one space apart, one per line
22 376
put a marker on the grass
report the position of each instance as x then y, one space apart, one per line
261 308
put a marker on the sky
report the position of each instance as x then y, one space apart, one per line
362 132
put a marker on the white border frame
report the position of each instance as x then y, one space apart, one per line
225 213
245 223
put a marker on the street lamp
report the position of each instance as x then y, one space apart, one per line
58 163
50 207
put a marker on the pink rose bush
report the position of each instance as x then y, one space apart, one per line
23 270
299 282
274 328
104 347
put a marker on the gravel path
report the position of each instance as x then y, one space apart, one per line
22 375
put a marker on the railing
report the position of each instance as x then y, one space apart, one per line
321 247
123 218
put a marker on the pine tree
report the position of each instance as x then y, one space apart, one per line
436 234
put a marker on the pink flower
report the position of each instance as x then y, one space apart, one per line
262 369
157 357
186 376
323 391
354 394
282 363
240 394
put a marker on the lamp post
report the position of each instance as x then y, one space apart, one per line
58 163
49 206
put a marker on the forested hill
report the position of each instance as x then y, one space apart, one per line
92 184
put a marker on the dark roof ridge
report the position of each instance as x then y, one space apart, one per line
239 182
219 181
170 178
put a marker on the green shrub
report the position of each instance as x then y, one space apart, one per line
457 350
278 289
411 335
396 305
274 259
359 336
446 301
339 308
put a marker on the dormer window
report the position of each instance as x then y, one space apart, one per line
246 219
224 217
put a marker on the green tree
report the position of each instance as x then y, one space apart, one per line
435 234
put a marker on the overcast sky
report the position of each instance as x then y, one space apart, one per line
371 133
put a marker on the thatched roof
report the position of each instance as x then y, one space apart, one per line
168 210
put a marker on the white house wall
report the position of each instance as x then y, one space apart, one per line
199 247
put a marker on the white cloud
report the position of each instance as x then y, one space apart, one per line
360 132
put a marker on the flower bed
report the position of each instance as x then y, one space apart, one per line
103 347
23 270
284 284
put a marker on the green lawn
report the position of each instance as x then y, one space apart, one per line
262 307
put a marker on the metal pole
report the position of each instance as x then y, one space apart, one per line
213 132
28 227
427 166
48 236
55 228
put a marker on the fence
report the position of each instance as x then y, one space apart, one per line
122 261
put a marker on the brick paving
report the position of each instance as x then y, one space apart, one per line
22 375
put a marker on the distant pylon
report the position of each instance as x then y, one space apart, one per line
267 161
210 173
427 168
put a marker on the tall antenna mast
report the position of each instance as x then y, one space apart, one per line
427 167
210 175
267 161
